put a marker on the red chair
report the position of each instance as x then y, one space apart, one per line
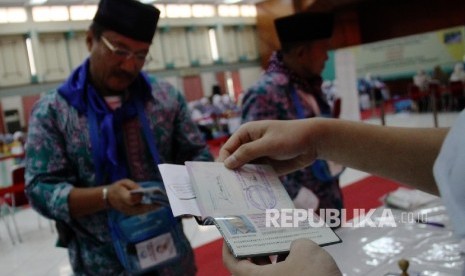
18 197
435 95
7 211
456 89
420 98
337 107
13 196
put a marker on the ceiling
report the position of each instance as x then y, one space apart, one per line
16 3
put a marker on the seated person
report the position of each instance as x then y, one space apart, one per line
422 80
458 74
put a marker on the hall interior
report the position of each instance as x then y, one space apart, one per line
245 44
37 254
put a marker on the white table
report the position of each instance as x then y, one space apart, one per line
431 250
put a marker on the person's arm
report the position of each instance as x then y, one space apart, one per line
52 184
48 177
406 155
305 258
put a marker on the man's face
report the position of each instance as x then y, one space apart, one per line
313 57
115 61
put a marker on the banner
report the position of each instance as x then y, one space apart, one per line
402 57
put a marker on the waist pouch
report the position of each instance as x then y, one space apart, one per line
148 241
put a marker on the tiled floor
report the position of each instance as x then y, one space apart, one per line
37 255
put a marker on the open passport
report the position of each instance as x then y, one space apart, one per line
244 204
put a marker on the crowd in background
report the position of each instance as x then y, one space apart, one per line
371 88
12 144
422 79
448 90
220 115
216 116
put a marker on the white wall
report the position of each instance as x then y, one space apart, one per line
53 63
77 49
346 84
59 47
208 80
14 68
249 76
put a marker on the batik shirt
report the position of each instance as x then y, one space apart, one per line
270 99
59 157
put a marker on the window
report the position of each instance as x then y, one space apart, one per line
203 10
228 10
213 44
51 13
248 11
3 16
178 11
162 10
82 12
30 55
12 15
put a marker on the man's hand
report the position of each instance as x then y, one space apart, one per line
285 145
120 198
305 258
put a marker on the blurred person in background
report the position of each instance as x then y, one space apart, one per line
290 89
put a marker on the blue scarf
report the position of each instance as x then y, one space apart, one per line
81 95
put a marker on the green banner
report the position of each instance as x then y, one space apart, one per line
406 55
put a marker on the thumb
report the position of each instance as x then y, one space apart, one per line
247 152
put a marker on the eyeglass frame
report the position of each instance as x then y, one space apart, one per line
125 54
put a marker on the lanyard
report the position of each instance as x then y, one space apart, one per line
147 132
98 153
298 105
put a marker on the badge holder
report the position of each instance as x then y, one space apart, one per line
148 241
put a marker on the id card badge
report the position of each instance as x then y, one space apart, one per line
148 241
152 236
156 250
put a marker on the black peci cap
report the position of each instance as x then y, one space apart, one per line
129 18
305 26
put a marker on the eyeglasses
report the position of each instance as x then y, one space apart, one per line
126 54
